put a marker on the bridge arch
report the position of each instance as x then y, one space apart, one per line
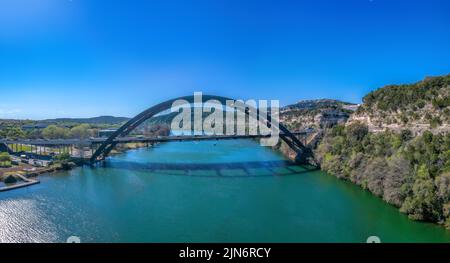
105 148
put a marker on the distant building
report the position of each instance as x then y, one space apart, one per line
106 133
38 126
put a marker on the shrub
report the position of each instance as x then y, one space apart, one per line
5 160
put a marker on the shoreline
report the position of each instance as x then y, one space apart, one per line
27 182
73 163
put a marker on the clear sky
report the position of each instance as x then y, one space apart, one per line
84 58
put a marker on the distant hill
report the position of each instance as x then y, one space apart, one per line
317 104
316 114
110 120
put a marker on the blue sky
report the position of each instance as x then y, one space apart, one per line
83 58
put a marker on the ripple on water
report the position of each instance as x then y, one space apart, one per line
22 220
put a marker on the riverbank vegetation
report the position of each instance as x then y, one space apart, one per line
410 173
396 145
64 161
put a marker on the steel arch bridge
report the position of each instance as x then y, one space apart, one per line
105 148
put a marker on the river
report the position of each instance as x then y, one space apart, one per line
209 191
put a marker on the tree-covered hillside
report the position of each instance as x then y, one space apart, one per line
421 106
434 90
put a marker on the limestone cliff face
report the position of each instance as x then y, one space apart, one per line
315 114
418 107
378 124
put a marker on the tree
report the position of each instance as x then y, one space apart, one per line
376 171
443 187
406 135
357 131
5 159
443 192
81 131
63 157
396 176
12 132
422 204
54 132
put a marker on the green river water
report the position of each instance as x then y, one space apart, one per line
224 191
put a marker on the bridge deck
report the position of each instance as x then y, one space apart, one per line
87 142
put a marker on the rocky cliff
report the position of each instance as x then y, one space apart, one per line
419 107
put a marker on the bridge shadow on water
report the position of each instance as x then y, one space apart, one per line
222 170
